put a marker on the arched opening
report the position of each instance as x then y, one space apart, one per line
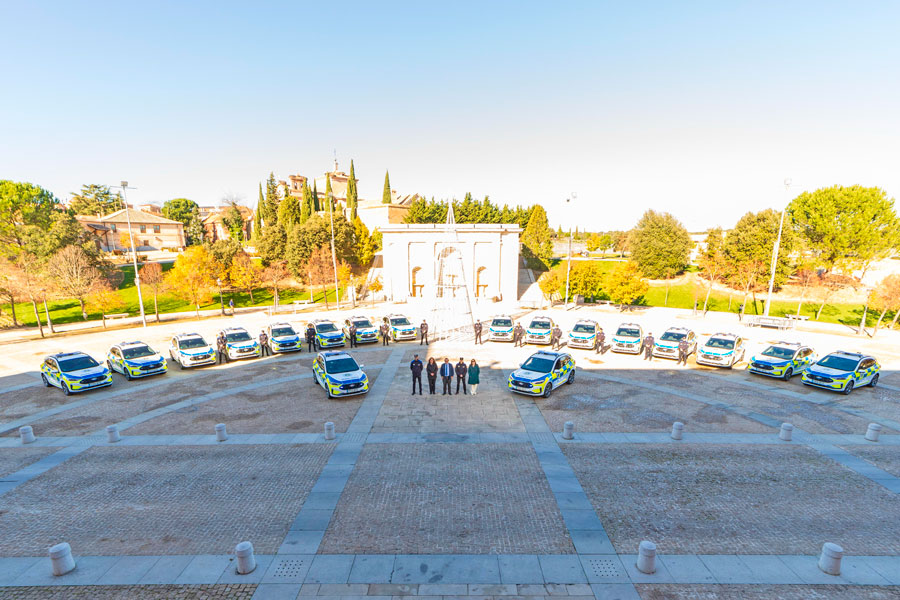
414 283
481 282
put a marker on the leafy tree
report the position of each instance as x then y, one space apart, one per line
105 300
95 200
658 242
386 193
806 277
619 242
846 227
32 280
550 282
316 232
223 253
25 209
126 239
364 244
10 285
713 262
270 214
625 285
587 278
352 194
195 233
152 277
306 205
375 286
245 274
598 241
74 274
180 209
193 276
536 245
275 277
272 245
319 269
289 211
886 297
233 220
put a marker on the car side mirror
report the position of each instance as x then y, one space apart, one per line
361 366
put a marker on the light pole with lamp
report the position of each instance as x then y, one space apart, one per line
337 292
137 277
221 298
571 197
776 248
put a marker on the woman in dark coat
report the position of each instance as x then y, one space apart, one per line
474 372
432 370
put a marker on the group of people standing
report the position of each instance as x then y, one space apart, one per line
649 341
465 374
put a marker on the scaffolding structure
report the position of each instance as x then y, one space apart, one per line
450 317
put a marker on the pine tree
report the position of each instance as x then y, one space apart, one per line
260 208
352 195
290 212
536 245
386 194
329 195
306 204
315 197
272 200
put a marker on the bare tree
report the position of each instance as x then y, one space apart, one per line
275 276
318 267
886 296
30 276
10 285
152 277
74 274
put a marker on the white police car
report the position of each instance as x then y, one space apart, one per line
240 344
339 374
667 344
501 329
191 350
327 334
722 350
782 359
400 327
628 338
74 372
584 334
543 372
135 359
283 338
842 371
539 330
365 332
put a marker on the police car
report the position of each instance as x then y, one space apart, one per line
782 359
327 334
842 371
667 344
191 350
135 359
400 327
628 338
501 329
722 350
283 338
539 330
584 334
543 372
74 372
365 331
339 374
240 344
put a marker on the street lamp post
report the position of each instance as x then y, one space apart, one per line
137 277
569 261
775 249
337 292
221 299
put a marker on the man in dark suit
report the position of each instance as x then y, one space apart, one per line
446 375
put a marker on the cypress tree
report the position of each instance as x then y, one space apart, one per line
257 216
306 204
352 195
386 194
315 197
328 192
272 200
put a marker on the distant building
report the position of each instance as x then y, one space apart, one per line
214 229
150 231
153 209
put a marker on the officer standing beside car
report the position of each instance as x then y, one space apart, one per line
556 337
683 351
264 343
647 347
221 349
518 335
311 337
478 329
351 332
423 333
601 342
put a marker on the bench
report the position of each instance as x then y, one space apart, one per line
116 316
798 317
776 322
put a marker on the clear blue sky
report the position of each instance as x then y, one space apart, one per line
701 109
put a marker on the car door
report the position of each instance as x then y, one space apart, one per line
558 367
115 360
53 372
320 372
864 371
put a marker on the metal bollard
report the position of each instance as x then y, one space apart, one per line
568 430
221 434
830 559
329 430
873 431
246 562
677 429
26 434
787 430
61 559
646 560
112 434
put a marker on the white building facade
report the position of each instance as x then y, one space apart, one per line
488 253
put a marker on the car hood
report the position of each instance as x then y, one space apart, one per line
625 339
403 327
286 338
531 331
770 360
716 351
331 334
829 372
366 330
144 360
581 336
248 344
89 372
666 344
349 377
500 329
528 375
197 351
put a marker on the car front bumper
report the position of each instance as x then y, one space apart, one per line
323 343
336 389
404 335
774 371
197 361
500 336
286 347
83 387
825 385
237 355
532 388
665 352
537 339
626 348
714 361
581 343
137 372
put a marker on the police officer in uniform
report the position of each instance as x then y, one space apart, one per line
416 367
518 335
556 337
264 349
385 334
222 349
461 370
601 341
478 329
351 331
683 351
647 346
311 337
423 333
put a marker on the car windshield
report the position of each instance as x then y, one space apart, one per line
237 336
673 336
77 363
720 343
628 332
400 321
582 328
778 352
539 325
362 323
192 343
282 331
345 364
325 327
538 364
839 363
501 323
137 352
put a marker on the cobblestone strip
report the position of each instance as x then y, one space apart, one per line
306 532
13 480
855 463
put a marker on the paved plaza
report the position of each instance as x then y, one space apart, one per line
446 495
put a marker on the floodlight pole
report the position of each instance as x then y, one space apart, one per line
569 261
337 292
137 277
775 249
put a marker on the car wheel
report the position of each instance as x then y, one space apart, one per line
180 364
110 367
848 388
788 373
44 380
874 381
126 373
571 378
65 389
547 389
